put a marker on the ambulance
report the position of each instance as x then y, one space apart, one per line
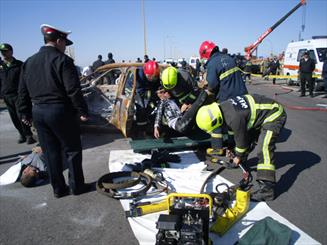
317 48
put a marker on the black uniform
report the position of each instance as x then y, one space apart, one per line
250 117
306 69
146 98
185 91
273 67
224 77
9 80
50 80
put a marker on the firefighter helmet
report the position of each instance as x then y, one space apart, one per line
206 49
151 69
169 77
209 117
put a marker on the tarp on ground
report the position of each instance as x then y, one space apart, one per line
187 177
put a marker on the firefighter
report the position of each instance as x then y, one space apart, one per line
223 76
184 91
147 83
252 118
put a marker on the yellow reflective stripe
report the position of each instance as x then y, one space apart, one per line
228 72
253 111
275 115
187 95
262 166
240 150
216 136
230 132
266 106
266 165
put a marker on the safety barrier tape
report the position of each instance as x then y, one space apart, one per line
278 76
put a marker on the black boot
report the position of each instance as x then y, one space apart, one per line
264 191
30 140
21 139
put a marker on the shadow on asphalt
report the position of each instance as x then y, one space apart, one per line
91 140
299 161
284 135
13 157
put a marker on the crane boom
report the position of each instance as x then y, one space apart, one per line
249 50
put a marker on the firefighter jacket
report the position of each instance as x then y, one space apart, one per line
224 77
50 77
184 91
9 77
245 115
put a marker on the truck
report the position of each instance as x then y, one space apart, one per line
317 48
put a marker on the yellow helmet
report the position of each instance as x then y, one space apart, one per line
169 77
209 117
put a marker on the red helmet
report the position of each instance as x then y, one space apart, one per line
151 69
206 49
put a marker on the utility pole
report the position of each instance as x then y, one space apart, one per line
144 27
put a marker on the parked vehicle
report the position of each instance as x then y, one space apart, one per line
317 48
118 110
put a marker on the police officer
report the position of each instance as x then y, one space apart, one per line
251 118
223 76
50 80
307 66
184 91
9 80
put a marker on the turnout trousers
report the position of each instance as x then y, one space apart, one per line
267 145
59 136
11 103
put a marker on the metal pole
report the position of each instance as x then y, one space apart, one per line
144 26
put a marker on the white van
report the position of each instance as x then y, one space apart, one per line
317 48
192 61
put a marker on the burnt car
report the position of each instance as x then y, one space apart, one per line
114 104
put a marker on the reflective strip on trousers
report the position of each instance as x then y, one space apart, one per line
228 72
216 136
266 165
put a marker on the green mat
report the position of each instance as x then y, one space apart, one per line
177 143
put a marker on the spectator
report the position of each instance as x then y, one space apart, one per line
273 67
307 66
111 78
110 59
324 74
146 58
9 80
98 62
50 80
138 60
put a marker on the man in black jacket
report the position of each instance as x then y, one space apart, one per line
9 80
49 79
274 66
307 66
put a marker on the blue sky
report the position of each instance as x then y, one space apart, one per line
174 28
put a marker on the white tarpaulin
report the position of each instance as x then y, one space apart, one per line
187 177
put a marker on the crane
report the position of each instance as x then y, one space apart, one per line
250 49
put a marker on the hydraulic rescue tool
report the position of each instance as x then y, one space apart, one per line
187 221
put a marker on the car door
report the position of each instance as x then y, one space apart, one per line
123 110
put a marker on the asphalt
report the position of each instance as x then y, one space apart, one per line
34 216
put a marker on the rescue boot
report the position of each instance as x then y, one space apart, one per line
263 191
21 139
30 140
